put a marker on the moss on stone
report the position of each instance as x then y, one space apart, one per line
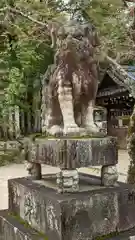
26 225
44 136
53 137
105 237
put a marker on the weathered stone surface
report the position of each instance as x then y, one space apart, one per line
126 203
68 181
34 170
74 153
71 98
127 209
36 206
12 229
94 211
109 175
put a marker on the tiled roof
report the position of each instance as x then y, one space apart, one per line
123 76
131 72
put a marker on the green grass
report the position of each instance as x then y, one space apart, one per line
26 225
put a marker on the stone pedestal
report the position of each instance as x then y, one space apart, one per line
69 205
109 175
92 212
72 153
34 170
67 181
37 212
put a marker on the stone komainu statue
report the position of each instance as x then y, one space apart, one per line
73 81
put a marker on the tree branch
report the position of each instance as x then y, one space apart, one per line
130 1
125 3
17 11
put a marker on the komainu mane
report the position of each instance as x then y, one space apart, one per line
73 82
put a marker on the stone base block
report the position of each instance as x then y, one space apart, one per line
12 229
93 211
109 175
67 181
74 153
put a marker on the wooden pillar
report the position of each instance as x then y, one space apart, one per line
108 119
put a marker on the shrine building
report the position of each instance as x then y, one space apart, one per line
114 94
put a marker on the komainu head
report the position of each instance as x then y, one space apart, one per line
76 43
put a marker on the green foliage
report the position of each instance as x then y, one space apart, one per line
25 51
15 92
110 19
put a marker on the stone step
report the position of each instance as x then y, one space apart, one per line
93 211
11 228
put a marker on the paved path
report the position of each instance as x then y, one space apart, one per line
18 170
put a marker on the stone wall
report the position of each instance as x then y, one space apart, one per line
11 151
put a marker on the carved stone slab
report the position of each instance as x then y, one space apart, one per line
74 153
92 212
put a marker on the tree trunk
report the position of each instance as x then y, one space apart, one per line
131 149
